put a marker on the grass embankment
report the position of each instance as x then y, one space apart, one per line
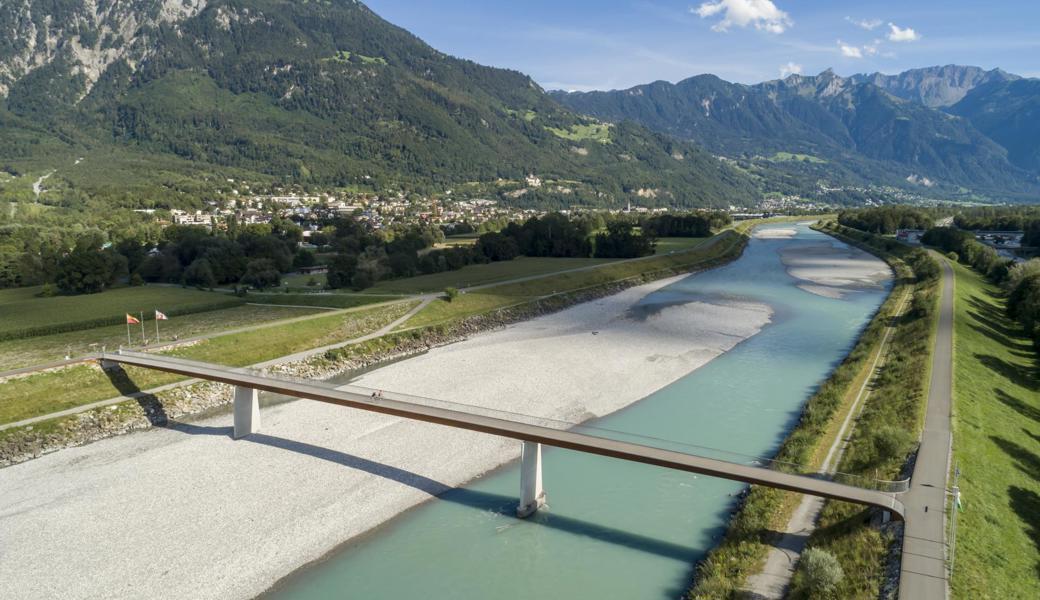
318 300
43 349
726 245
996 444
765 511
483 274
44 393
27 315
470 275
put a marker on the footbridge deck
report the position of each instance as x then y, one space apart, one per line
531 434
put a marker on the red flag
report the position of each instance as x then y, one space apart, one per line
161 316
131 320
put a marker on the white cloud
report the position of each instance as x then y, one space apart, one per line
850 51
898 34
763 14
790 69
868 24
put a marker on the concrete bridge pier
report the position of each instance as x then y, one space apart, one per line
247 411
532 495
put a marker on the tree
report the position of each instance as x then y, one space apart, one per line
1023 305
200 274
304 258
341 270
621 241
496 247
84 271
262 273
822 572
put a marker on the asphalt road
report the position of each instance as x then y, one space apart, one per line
923 569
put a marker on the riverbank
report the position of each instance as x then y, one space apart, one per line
239 515
764 513
492 308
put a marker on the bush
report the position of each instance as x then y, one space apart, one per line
49 290
821 571
892 442
451 293
136 280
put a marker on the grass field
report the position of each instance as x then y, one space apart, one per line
44 393
789 157
482 274
22 309
48 348
599 132
997 447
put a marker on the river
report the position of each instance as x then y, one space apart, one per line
615 529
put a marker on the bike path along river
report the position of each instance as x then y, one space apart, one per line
615 529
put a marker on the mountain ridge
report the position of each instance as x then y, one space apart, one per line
864 131
319 92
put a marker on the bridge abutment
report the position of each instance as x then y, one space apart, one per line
247 411
532 495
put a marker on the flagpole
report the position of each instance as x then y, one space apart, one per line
144 342
156 328
128 333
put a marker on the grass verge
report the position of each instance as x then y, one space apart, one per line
996 444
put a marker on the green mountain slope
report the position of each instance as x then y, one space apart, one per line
312 92
861 132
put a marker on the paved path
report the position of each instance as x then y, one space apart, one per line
169 386
772 581
923 571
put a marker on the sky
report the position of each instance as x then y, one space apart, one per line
616 44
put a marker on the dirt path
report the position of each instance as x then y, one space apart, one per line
772 581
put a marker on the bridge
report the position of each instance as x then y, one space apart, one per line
248 383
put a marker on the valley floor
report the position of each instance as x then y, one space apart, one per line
155 513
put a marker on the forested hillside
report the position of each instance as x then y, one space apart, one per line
864 129
163 96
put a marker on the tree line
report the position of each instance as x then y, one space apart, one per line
1021 281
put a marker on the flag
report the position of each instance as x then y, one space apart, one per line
130 320
161 316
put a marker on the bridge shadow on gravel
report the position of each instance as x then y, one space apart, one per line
482 501
149 403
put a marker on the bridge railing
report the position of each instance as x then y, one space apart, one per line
587 424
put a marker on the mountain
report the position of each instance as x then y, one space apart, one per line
935 87
161 98
826 126
1009 113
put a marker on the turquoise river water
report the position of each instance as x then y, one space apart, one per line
615 529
